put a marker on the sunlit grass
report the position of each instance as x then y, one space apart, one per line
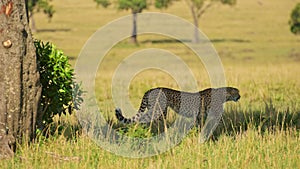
250 149
259 55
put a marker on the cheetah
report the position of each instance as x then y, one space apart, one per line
192 105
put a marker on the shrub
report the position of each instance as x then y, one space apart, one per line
56 77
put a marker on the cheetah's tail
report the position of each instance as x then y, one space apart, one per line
121 118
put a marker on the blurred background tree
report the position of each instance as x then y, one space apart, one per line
199 7
34 6
135 6
295 20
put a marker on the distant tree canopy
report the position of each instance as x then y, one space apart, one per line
34 6
136 6
163 3
295 20
104 3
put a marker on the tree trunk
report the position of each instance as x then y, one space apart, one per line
196 24
134 28
20 88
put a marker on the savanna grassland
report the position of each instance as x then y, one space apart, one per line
260 57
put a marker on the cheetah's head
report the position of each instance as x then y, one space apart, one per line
232 94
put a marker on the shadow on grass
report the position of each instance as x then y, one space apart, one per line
65 125
53 30
234 121
160 41
230 40
72 57
223 40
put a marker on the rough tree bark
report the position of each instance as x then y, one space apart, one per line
20 88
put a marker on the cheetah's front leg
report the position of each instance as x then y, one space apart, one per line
211 123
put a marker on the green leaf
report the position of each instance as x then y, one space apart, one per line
61 91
